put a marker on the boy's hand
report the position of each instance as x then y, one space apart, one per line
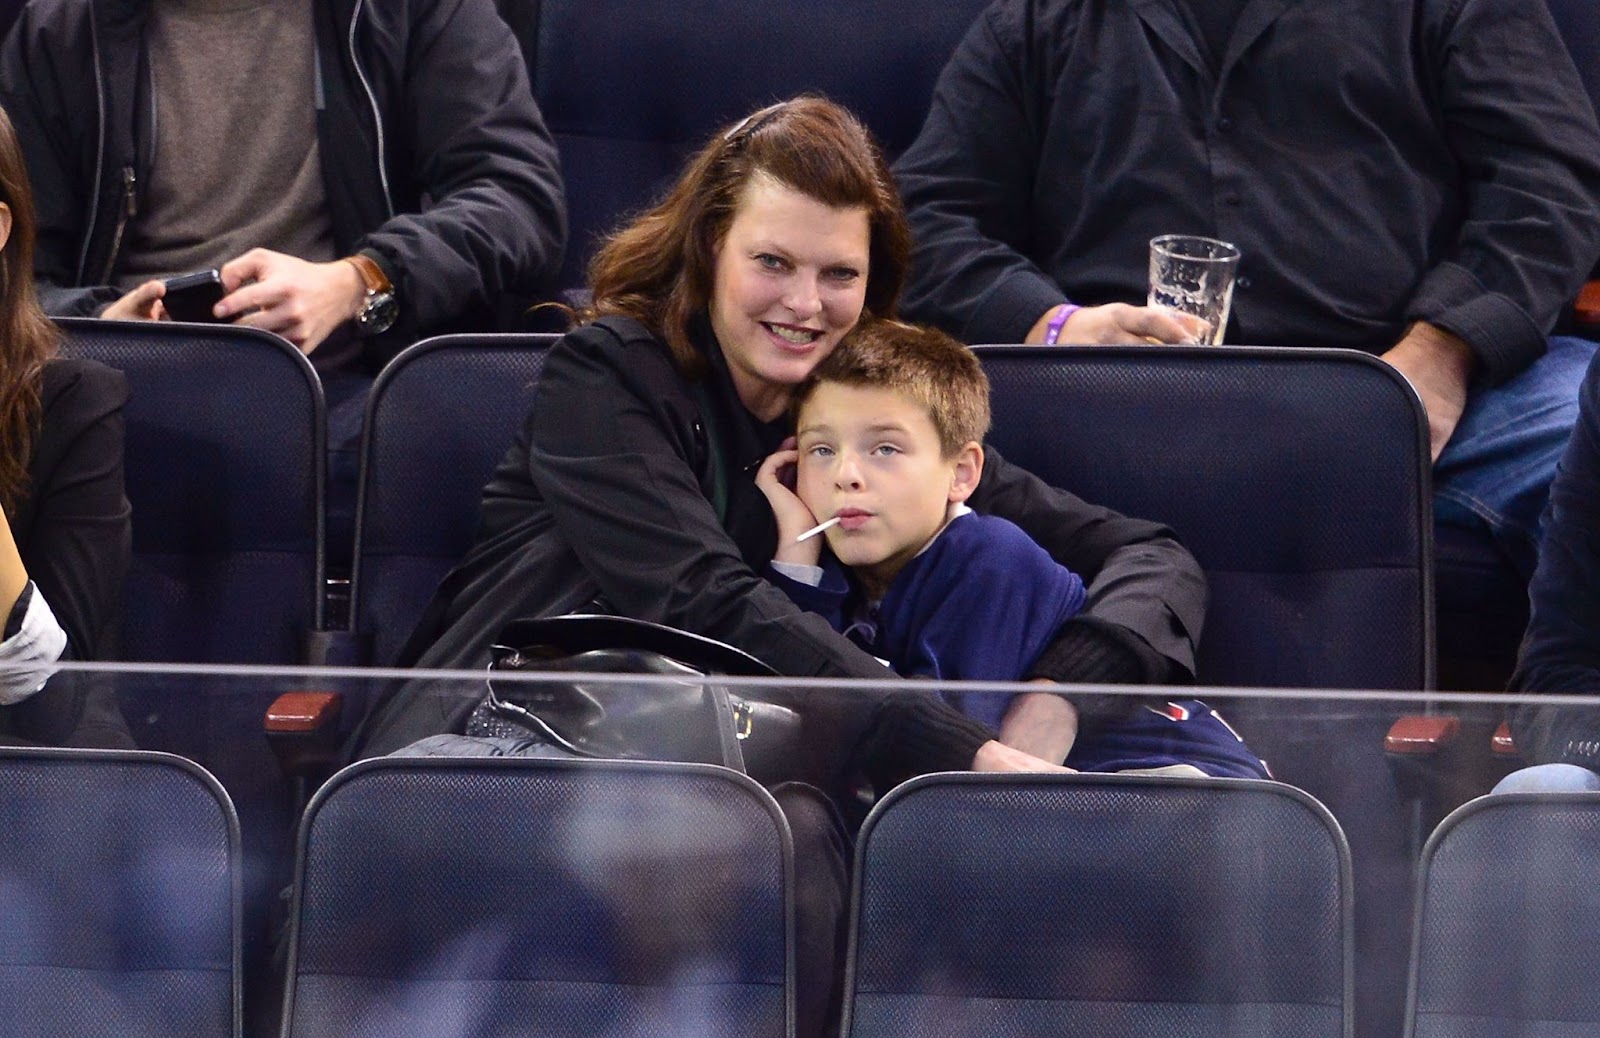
794 518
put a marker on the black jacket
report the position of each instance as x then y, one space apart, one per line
74 533
609 493
1376 161
1561 652
436 160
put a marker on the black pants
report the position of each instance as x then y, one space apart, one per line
822 855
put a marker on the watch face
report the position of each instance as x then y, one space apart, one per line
378 314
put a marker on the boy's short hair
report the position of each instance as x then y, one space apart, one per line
923 364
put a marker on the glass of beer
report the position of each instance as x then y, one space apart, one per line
1194 275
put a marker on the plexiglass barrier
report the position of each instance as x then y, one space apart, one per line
669 854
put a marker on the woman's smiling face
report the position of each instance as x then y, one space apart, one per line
790 280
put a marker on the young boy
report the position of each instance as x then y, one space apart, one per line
888 450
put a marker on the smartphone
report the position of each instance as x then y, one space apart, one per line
190 297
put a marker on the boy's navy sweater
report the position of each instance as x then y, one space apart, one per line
980 603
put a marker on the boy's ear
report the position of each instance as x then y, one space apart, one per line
967 471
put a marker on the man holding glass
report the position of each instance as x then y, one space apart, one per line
1415 178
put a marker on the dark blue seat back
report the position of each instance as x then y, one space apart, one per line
441 416
631 89
225 464
1298 478
557 898
119 897
1113 906
1504 938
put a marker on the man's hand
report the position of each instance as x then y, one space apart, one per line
141 304
997 756
1041 724
303 302
794 518
1121 323
1439 366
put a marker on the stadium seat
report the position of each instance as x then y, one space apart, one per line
225 472
119 897
225 475
1109 905
439 896
631 90
1504 940
439 420
1299 479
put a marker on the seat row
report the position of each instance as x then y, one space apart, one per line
1298 478
498 897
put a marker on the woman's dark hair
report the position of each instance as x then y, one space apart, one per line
27 337
659 269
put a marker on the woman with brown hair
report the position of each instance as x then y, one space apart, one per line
64 549
631 487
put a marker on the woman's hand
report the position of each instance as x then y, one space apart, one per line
997 756
794 518
1121 323
141 304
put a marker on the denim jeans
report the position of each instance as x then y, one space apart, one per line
1549 778
1495 472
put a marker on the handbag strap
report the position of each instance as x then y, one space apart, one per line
579 632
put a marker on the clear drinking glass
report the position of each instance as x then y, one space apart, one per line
1194 275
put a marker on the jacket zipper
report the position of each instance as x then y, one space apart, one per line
128 210
100 150
372 102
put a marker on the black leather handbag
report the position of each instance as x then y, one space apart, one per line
675 711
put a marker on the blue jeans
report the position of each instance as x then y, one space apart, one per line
1549 778
1495 472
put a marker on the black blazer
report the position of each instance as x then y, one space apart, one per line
74 532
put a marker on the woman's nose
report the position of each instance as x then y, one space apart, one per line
803 299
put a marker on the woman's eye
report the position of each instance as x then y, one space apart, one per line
821 450
770 262
841 275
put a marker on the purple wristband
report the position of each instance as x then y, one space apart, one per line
1052 331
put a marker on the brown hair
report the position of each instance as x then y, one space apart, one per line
27 337
922 364
659 269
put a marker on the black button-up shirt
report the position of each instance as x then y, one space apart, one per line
1376 161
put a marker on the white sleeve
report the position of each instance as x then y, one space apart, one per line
26 657
799 572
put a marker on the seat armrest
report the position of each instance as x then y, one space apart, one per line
303 712
1501 742
1421 735
1587 308
303 730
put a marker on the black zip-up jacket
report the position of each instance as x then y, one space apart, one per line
1376 161
436 160
610 492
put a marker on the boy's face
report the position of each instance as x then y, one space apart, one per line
872 457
